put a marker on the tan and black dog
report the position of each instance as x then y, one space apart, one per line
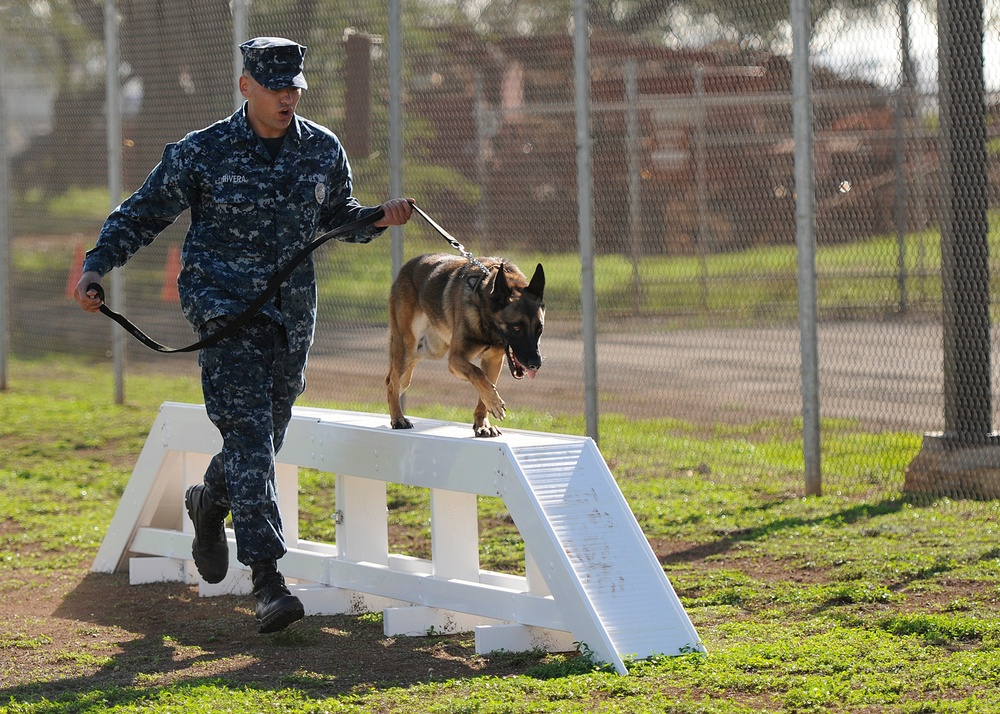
445 304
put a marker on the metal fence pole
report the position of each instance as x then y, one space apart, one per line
396 123
899 155
484 131
701 182
805 237
965 269
634 180
239 37
113 109
396 132
5 290
585 211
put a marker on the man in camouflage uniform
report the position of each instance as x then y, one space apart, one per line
260 185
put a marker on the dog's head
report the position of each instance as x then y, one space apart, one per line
519 311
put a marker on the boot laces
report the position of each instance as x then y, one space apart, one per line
270 586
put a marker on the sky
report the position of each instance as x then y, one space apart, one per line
870 48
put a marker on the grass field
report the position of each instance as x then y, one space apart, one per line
839 603
753 286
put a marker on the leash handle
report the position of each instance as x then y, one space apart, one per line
153 344
273 285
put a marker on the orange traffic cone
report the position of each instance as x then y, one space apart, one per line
75 271
170 272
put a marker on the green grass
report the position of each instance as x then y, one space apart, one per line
849 602
76 210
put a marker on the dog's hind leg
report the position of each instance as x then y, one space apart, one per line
396 383
403 358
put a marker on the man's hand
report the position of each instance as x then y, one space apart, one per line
88 298
397 212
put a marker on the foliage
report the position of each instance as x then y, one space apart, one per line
754 23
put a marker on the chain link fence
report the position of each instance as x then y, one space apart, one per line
694 195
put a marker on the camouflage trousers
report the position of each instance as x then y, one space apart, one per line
250 382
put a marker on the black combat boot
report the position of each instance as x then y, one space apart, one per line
210 549
277 608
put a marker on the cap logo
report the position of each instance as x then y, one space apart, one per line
320 192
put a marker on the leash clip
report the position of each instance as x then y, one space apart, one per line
452 240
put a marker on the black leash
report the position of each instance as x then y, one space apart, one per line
273 285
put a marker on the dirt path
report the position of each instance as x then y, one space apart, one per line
883 375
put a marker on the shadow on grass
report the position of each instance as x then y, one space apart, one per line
745 535
131 642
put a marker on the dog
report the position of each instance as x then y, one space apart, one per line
442 304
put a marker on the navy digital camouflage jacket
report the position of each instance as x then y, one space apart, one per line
249 216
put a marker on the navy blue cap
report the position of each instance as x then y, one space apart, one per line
274 62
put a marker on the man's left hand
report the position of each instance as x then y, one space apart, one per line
397 212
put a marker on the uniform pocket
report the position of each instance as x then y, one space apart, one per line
233 215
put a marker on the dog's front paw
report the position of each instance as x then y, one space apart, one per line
497 407
402 423
485 430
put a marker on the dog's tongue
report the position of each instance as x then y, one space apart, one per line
518 367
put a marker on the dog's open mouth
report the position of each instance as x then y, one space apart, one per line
518 370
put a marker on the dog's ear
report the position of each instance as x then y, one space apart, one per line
537 285
500 291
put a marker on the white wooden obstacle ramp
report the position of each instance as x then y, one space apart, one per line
590 574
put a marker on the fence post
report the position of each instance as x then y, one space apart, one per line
701 181
239 37
585 211
634 180
805 238
899 154
396 133
964 461
396 123
5 289
965 270
113 105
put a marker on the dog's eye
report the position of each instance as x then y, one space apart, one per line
517 328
